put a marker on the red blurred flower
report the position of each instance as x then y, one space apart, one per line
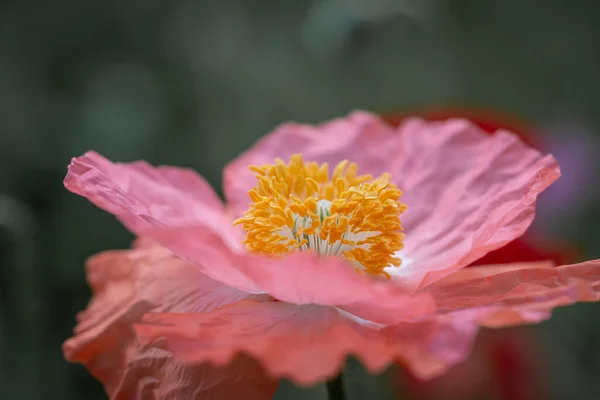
487 120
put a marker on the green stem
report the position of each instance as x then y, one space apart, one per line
335 388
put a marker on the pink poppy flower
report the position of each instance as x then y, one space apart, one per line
317 265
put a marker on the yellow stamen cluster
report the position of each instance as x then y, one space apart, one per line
297 206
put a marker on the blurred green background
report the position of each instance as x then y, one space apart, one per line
194 83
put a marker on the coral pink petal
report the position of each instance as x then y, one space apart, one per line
127 284
503 315
168 205
308 344
467 192
305 278
360 137
526 287
241 379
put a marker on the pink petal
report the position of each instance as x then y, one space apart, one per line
304 278
308 344
519 289
501 317
126 285
360 137
168 205
467 192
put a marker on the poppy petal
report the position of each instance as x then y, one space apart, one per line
127 284
308 344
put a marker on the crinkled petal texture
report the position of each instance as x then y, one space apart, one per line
467 192
127 284
172 206
520 292
308 344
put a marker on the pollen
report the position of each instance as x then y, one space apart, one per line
299 206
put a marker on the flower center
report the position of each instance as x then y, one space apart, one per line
296 206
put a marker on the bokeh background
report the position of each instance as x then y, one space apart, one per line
194 83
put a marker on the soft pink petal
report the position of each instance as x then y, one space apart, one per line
467 192
309 344
518 288
126 285
168 205
305 278
503 315
360 137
